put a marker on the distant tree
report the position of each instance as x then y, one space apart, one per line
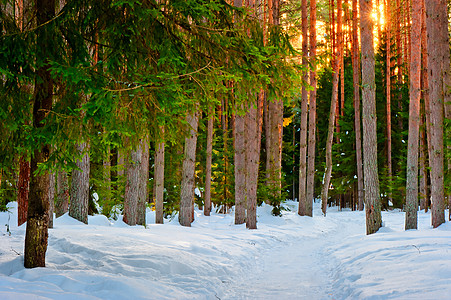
23 187
207 193
333 112
79 188
188 171
62 193
143 180
312 114
304 113
159 178
357 119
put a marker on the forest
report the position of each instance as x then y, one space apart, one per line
116 106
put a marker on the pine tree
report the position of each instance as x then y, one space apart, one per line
437 44
414 119
36 236
371 178
188 176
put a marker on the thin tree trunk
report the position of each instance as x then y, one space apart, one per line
425 93
107 175
438 44
414 120
253 134
399 63
143 180
51 198
240 169
357 122
312 114
332 114
423 170
388 96
275 120
159 179
371 179
188 169
23 188
36 236
304 107
79 191
207 194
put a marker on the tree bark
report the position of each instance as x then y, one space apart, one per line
207 194
132 172
414 120
425 96
357 122
302 210
275 120
143 180
371 179
51 198
62 193
23 187
240 169
438 44
36 236
312 114
332 114
159 181
79 191
253 134
388 96
188 169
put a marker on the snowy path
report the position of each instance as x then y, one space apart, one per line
300 267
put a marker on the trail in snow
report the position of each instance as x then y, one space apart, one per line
300 267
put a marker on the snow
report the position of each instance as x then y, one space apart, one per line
288 257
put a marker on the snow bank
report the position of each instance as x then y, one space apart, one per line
289 257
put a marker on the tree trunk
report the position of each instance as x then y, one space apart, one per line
36 236
23 190
275 120
62 193
132 172
302 210
253 134
240 169
207 194
437 43
388 95
107 175
51 198
425 95
423 170
188 171
332 114
312 114
159 180
143 180
371 179
79 191
357 122
414 120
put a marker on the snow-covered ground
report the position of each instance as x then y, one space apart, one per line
289 257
